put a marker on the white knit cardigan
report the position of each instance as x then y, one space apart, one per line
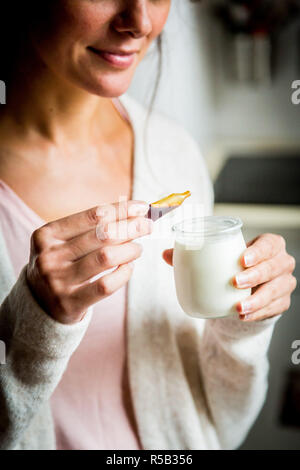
195 384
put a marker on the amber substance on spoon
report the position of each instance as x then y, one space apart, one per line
167 204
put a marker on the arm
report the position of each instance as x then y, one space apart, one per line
37 352
234 351
234 369
42 319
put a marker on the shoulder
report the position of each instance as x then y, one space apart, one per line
158 126
172 151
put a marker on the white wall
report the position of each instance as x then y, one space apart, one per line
263 112
195 91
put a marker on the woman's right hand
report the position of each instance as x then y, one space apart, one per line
67 253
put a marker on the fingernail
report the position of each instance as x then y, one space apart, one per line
246 307
242 279
249 259
138 209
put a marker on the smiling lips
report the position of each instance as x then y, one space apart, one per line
120 59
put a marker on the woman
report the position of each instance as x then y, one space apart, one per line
138 373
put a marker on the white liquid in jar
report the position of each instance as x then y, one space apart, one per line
203 276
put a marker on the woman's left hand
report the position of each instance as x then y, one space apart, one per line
268 271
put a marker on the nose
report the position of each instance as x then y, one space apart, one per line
134 19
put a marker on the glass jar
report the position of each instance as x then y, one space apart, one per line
206 257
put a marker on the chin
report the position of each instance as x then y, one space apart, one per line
109 85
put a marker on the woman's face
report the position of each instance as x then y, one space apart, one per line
97 44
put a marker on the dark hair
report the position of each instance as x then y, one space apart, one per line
16 40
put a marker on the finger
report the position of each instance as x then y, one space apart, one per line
275 308
88 242
87 295
124 230
265 271
79 246
168 256
252 241
263 248
267 293
100 260
76 224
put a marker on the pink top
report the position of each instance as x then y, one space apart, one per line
90 403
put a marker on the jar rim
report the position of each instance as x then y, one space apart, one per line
208 226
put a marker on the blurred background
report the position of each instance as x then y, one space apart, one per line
229 76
